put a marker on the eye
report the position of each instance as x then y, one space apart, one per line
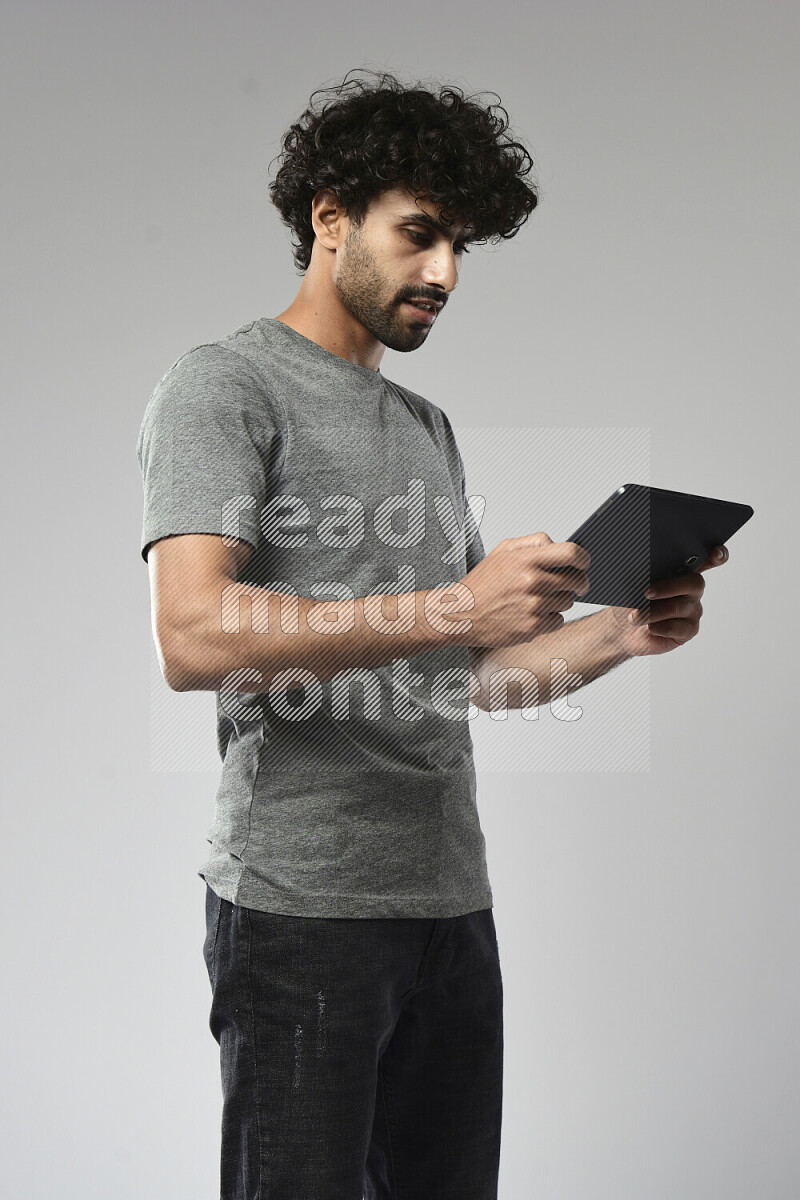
422 239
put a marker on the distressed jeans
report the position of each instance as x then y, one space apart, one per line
361 1058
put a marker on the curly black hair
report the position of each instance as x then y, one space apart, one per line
373 136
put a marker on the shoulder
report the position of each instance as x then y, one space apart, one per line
212 388
223 362
213 377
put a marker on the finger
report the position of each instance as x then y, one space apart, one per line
681 585
665 610
567 577
564 556
716 558
678 627
554 593
528 541
659 611
680 607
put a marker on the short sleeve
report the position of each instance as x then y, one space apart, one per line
210 448
475 548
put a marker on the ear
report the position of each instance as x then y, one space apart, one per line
328 218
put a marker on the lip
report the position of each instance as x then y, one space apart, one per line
421 314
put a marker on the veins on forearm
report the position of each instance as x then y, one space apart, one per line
587 646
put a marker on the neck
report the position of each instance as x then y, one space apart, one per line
318 313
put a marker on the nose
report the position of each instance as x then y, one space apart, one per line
441 270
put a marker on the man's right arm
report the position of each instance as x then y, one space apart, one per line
208 625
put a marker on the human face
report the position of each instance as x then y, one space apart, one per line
400 252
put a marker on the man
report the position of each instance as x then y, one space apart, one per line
314 561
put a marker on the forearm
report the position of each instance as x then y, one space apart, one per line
244 628
589 646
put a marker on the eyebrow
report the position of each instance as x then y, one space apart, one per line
421 218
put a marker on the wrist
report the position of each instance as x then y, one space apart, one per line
443 616
615 626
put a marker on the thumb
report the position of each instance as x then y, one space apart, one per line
530 539
713 561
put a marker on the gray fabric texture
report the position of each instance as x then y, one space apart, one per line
326 809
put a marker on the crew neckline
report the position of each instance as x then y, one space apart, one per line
335 361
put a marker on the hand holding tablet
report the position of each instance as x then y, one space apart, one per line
642 534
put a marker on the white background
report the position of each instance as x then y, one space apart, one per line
647 921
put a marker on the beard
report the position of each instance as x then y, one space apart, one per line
362 287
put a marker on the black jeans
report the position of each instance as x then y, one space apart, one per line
360 1057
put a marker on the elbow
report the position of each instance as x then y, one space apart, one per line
478 678
478 692
178 680
180 677
175 669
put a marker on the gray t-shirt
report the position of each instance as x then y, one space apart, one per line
351 797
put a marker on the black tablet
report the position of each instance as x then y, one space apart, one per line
641 534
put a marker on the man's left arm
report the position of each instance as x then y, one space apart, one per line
593 645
